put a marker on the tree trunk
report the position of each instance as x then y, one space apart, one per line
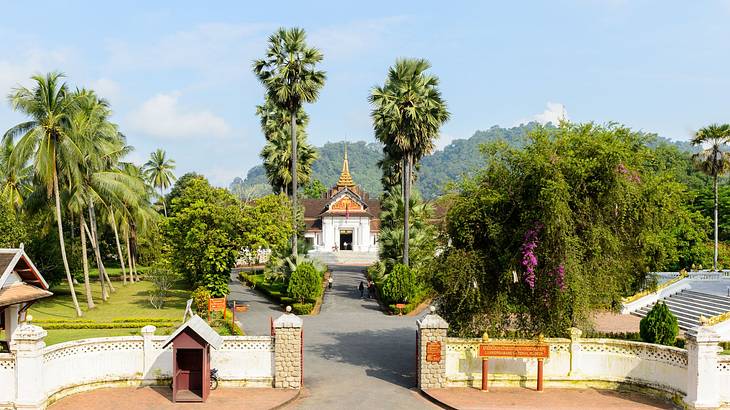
129 258
714 261
119 248
63 245
133 245
162 198
406 207
294 181
104 295
85 262
95 240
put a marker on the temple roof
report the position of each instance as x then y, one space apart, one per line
345 177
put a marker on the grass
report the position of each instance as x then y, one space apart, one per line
128 302
277 291
112 272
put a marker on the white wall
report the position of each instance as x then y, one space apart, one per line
610 360
723 376
7 378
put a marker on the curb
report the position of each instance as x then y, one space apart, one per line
288 402
435 400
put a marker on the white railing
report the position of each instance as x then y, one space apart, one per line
723 377
650 298
7 379
656 366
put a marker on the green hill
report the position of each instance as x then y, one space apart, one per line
457 159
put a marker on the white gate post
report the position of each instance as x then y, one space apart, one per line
27 344
702 349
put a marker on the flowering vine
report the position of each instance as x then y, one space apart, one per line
529 259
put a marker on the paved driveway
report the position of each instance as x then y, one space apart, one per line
355 357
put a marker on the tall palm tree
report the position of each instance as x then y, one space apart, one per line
43 139
408 112
15 182
289 74
713 161
158 171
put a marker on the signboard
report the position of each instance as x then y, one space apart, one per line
433 352
515 350
217 304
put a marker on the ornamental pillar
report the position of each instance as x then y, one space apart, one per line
288 360
27 344
431 351
702 350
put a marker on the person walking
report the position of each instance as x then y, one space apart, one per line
329 282
371 290
362 289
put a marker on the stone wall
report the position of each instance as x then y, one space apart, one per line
698 375
44 374
288 351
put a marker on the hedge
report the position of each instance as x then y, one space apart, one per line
277 292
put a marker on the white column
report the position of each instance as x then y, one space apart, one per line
148 351
11 321
27 344
364 234
327 234
702 349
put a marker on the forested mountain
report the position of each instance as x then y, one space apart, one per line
459 158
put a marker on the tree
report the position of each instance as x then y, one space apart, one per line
44 138
713 161
315 189
399 286
546 233
267 224
15 182
203 234
158 171
408 112
289 74
305 283
659 326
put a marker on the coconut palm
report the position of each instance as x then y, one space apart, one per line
158 171
43 140
713 161
289 74
15 182
408 112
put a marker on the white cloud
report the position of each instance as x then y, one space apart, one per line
162 116
554 113
18 70
106 88
444 140
222 177
353 38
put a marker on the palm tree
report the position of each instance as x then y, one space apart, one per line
289 75
408 112
15 183
713 161
44 139
158 171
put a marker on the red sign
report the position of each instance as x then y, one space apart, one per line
433 352
515 350
217 304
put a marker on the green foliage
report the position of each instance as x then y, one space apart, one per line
200 297
302 308
204 233
267 223
163 277
305 283
12 229
315 189
659 326
578 215
399 285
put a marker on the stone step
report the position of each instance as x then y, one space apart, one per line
722 301
693 307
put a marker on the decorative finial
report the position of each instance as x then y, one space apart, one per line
28 318
288 309
432 309
22 246
345 177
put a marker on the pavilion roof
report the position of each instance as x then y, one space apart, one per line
16 260
20 292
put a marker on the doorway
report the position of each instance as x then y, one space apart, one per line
189 377
346 239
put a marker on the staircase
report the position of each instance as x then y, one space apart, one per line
688 305
345 257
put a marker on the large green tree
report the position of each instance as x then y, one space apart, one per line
408 112
159 172
568 223
43 139
713 160
291 78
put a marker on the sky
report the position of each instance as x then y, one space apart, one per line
178 73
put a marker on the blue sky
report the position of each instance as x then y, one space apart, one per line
178 73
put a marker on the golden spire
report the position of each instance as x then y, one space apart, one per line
345 177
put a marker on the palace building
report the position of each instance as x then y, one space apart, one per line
344 219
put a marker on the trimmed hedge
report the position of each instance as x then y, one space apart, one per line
277 292
302 308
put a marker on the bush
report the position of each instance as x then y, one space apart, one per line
302 308
400 285
163 278
659 326
200 296
305 283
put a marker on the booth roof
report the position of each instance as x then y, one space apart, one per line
197 325
20 293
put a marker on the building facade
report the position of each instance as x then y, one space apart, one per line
344 219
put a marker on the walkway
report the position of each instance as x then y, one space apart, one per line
255 321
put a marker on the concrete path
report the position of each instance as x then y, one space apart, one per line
255 321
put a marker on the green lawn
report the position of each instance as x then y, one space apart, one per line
129 302
112 272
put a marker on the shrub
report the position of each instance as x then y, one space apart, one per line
200 296
305 283
302 308
659 326
400 285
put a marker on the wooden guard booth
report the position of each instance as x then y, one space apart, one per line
191 345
